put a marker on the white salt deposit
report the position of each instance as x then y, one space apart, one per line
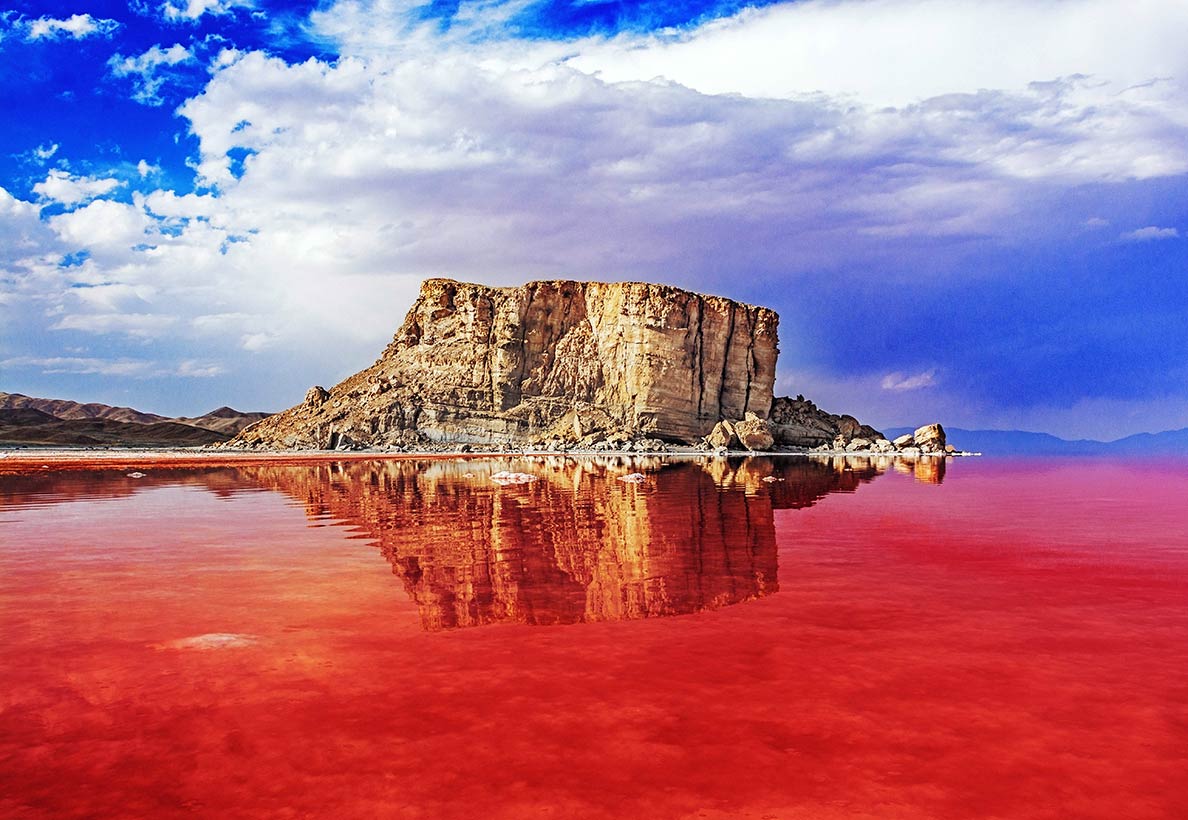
212 640
505 477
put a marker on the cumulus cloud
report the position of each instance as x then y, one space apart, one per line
110 229
22 233
68 189
900 382
1150 233
76 26
191 10
149 71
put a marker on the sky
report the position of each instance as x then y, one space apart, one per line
966 211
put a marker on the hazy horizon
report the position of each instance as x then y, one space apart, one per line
223 202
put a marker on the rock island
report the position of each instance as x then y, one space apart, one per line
566 365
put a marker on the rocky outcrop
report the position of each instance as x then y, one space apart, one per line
569 362
927 440
800 423
930 438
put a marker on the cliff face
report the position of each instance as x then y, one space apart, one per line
572 361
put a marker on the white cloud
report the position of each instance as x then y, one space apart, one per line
141 325
111 297
67 189
144 168
106 227
76 26
220 322
44 152
899 382
191 10
81 365
891 52
256 341
148 70
22 233
169 204
134 368
195 369
1149 233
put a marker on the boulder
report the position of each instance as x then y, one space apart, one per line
930 438
316 396
906 440
754 433
722 436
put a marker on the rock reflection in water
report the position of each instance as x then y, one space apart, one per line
576 545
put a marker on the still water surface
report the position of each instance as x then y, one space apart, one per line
761 638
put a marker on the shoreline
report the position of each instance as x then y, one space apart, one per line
33 459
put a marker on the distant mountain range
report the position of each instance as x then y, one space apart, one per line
27 421
1020 442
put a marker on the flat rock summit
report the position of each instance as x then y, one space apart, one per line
564 364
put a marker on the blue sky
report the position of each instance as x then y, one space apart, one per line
974 211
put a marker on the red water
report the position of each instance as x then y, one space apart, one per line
401 639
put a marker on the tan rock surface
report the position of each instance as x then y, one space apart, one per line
930 438
549 360
722 436
754 433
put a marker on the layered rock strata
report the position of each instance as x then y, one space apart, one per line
570 362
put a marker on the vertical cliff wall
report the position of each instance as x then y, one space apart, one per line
559 359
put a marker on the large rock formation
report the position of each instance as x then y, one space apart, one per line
574 362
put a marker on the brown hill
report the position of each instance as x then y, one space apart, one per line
223 420
67 410
102 432
25 420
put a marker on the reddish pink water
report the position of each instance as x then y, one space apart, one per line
368 640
